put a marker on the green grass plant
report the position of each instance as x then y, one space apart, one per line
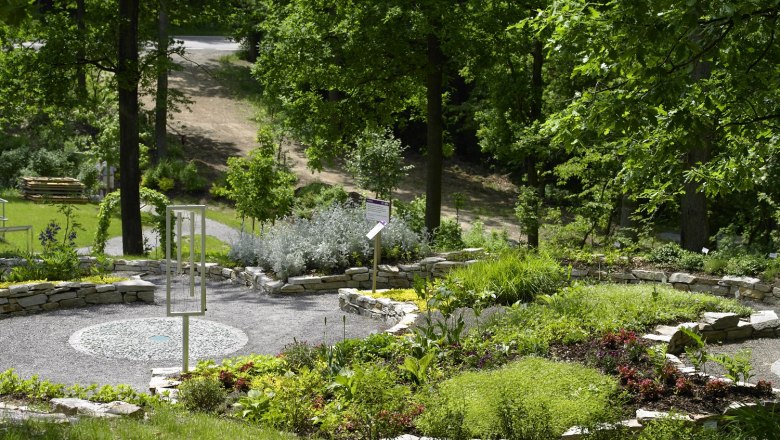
512 276
103 279
164 422
24 212
580 312
553 395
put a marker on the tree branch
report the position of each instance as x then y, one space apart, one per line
766 48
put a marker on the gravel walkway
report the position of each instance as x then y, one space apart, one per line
39 344
765 353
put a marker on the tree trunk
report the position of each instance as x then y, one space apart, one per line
127 79
694 221
81 69
627 224
252 42
161 97
435 159
532 176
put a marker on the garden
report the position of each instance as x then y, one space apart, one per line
570 147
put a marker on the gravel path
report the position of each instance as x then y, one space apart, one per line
39 344
765 353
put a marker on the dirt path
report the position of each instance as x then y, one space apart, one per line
218 126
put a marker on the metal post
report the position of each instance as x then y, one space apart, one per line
377 254
186 342
178 243
192 253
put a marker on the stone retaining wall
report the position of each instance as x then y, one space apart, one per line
23 299
731 286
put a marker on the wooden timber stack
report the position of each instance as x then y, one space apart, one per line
53 189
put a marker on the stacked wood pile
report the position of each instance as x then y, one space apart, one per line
53 189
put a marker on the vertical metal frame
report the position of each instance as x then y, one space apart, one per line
178 210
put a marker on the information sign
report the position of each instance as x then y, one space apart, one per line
377 210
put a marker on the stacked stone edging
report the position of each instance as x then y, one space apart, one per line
23 299
732 286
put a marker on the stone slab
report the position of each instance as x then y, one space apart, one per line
682 278
134 286
33 300
649 275
60 296
356 270
292 288
104 298
304 279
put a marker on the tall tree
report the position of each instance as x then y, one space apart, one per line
127 79
335 68
678 94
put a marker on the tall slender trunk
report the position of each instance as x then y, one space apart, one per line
161 97
81 68
252 42
532 177
127 79
694 220
627 224
435 160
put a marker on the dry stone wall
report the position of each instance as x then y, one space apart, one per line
729 286
23 299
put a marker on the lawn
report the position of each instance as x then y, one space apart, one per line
38 215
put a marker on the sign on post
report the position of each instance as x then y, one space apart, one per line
377 211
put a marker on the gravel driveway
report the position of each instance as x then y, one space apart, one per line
39 344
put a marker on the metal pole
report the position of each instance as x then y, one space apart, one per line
186 342
377 254
178 243
192 253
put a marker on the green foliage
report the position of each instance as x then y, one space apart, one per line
417 369
738 367
759 422
673 427
316 196
377 162
165 422
746 264
528 209
260 187
447 236
491 241
697 352
253 406
510 277
492 401
204 394
111 203
413 213
299 355
580 312
58 259
667 254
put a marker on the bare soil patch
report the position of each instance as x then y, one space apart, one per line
218 125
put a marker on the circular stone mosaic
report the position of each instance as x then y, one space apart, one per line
157 339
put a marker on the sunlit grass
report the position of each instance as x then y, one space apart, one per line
22 212
163 423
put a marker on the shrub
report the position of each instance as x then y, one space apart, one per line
59 260
316 196
746 264
413 213
715 265
204 394
377 162
332 240
512 276
668 254
473 404
491 241
691 261
299 355
447 236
